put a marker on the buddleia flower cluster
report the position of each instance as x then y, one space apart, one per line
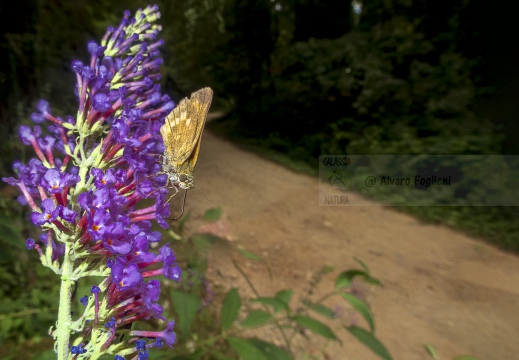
86 188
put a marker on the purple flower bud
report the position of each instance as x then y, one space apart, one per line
95 289
27 136
77 66
143 355
110 263
101 102
111 323
29 244
84 300
140 344
87 72
118 357
47 143
43 106
37 118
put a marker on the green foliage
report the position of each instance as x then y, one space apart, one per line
431 351
27 293
203 337
186 307
230 309
370 341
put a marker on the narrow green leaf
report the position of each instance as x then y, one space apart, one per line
246 349
271 351
370 341
186 306
315 326
361 307
251 256
230 308
277 304
285 296
213 214
344 279
431 351
257 318
361 263
321 309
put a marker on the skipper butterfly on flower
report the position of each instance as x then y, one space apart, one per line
182 136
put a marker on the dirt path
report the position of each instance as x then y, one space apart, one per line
440 286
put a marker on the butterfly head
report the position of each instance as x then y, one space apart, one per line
184 181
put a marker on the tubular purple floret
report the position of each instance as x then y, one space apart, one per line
156 45
107 34
116 33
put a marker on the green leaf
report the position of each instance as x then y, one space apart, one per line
344 279
466 357
361 307
6 325
321 309
370 341
361 263
204 241
271 351
277 304
285 295
186 306
246 349
257 318
230 308
315 326
213 214
431 351
251 256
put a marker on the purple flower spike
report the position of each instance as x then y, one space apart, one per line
97 187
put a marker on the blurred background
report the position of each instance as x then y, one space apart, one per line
303 78
299 78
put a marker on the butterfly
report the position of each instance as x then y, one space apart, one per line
182 136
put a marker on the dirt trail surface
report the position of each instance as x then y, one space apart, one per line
441 287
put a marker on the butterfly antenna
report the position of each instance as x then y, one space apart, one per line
209 201
183 205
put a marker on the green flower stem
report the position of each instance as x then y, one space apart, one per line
65 307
